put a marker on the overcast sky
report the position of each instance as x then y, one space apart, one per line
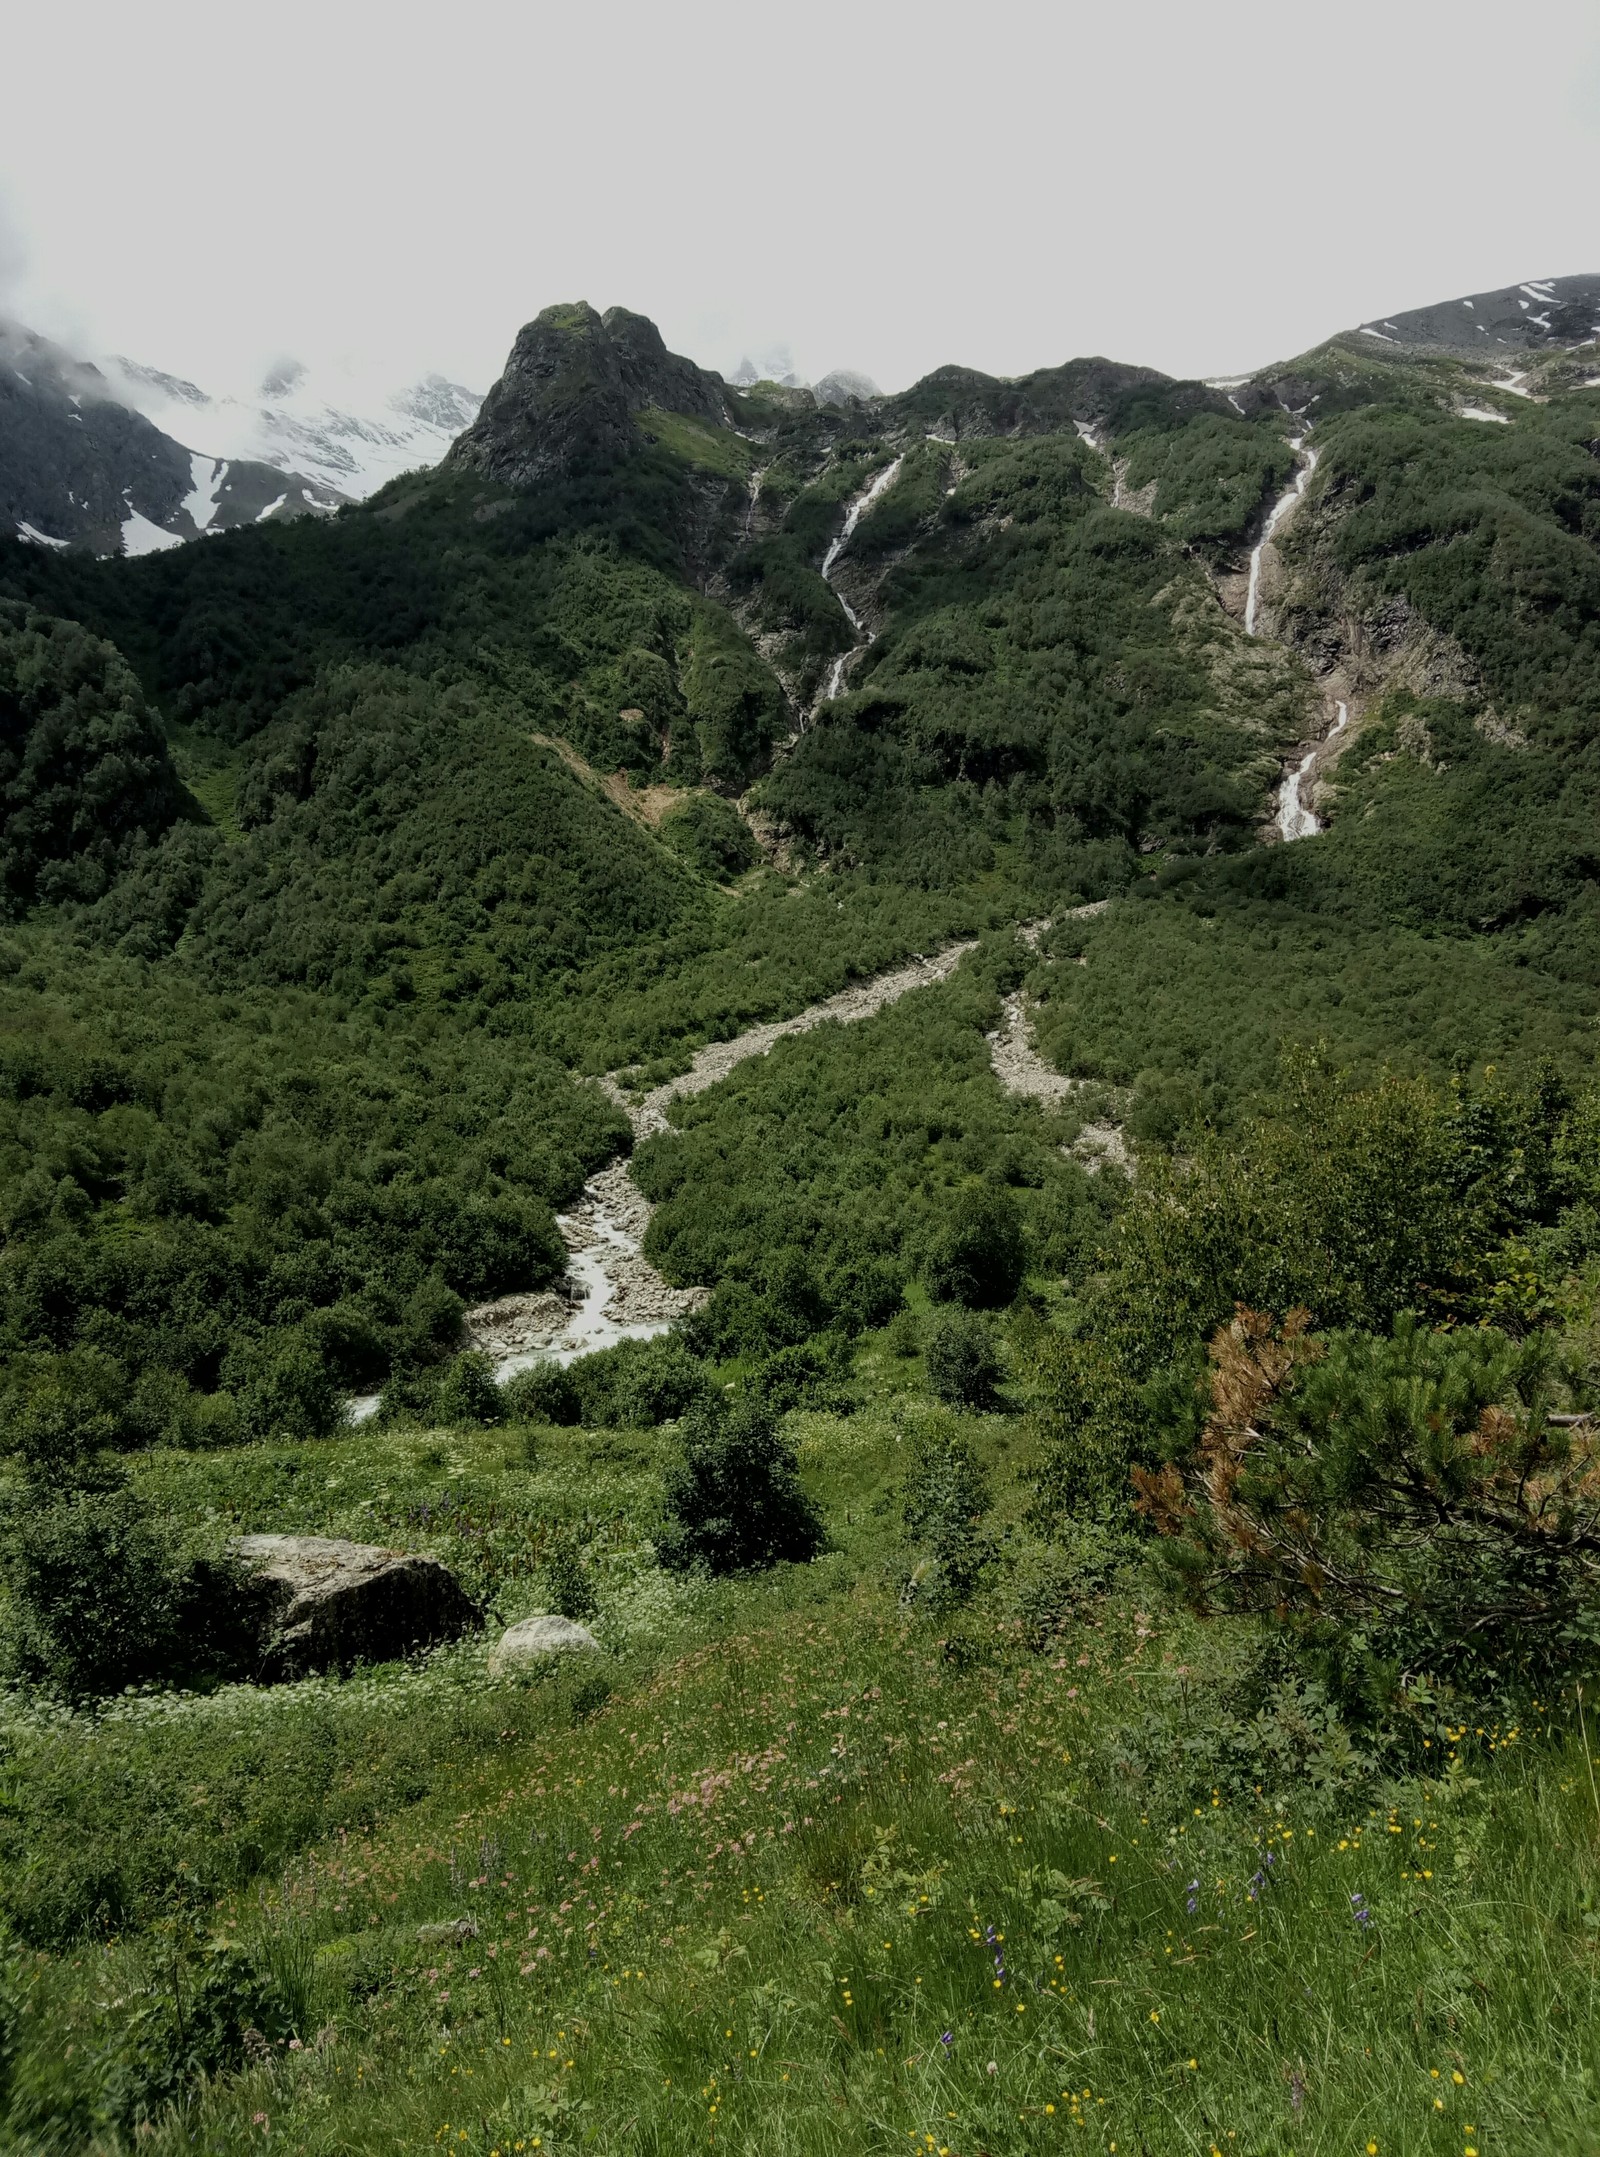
878 184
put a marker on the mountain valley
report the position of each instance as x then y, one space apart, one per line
926 1062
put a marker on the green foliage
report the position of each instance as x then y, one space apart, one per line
974 1252
544 1393
211 2011
944 1506
1032 673
102 1597
813 1374
734 1500
460 1392
85 779
963 1363
903 1335
263 1196
638 1383
567 1579
1211 476
391 825
1404 1503
816 1178
1489 533
1052 1586
713 835
1192 996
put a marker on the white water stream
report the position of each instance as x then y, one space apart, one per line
1280 509
852 517
1295 820
612 1292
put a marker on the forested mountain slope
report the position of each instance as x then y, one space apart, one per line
1244 736
382 722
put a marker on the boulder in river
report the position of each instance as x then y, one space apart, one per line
532 1640
325 1604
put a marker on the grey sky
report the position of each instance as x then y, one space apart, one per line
884 186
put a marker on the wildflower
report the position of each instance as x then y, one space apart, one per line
1359 1911
1193 1893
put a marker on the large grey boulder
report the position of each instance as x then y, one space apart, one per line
325 1604
532 1640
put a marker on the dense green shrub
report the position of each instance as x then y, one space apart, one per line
85 778
639 1382
944 1505
1404 1505
212 2011
813 1374
713 835
734 1499
544 1393
102 1597
461 1391
568 1582
962 1360
974 1252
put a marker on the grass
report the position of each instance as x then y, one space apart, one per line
696 441
789 1869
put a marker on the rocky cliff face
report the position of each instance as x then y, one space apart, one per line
571 390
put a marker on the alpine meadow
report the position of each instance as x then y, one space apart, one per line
800 1289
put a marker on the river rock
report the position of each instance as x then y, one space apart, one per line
325 1604
531 1640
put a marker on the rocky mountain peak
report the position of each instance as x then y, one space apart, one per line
570 391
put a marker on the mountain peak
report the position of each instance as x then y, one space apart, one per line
571 387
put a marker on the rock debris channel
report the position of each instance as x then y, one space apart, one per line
611 1291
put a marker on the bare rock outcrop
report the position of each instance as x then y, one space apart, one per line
325 1604
572 390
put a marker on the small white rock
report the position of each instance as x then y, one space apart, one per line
533 1638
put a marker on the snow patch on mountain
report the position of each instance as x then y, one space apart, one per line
140 536
338 426
201 501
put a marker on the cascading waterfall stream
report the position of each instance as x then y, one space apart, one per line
1295 820
852 517
1280 509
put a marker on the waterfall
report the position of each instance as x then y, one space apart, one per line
858 507
1280 509
1295 820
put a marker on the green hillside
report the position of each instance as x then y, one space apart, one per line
1092 1604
